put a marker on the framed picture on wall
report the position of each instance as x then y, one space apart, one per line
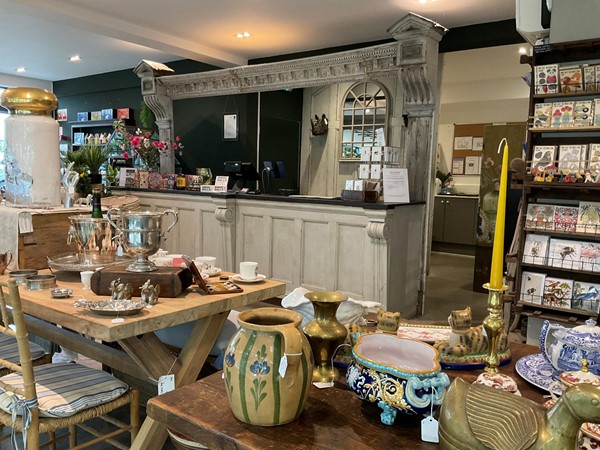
230 127
458 166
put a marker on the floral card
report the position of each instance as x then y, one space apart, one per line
539 217
543 156
532 287
557 292
562 114
586 296
565 254
535 249
597 112
588 220
565 218
593 160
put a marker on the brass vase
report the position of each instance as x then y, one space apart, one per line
325 333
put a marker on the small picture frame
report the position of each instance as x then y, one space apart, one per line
230 127
61 115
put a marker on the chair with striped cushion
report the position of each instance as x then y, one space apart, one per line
10 351
51 397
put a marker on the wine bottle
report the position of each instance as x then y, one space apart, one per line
96 204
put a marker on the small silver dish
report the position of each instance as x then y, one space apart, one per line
40 282
20 275
61 292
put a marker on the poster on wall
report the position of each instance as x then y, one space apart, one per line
230 127
478 144
472 165
61 115
463 142
458 166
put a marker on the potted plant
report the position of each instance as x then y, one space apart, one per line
88 162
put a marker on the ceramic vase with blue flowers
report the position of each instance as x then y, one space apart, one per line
268 367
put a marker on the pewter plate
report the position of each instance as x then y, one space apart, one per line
70 263
113 307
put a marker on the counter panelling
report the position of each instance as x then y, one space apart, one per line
368 251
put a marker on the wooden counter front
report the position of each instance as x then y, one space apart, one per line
332 418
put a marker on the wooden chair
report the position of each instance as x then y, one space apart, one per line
51 397
9 350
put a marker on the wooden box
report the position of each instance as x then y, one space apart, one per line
49 238
173 280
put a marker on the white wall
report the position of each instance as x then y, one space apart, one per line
479 86
7 80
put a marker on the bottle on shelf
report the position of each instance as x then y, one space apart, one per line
96 203
180 181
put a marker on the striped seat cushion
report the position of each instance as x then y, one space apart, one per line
64 389
10 351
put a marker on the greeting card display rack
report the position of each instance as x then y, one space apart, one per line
557 274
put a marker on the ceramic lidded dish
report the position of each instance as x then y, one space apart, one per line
398 374
571 345
571 378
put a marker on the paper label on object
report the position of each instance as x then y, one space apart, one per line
221 180
429 430
323 385
283 366
118 320
166 383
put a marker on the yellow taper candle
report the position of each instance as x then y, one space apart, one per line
496 270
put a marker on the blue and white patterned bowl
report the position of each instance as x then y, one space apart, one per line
398 374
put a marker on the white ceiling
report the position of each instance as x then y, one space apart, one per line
114 34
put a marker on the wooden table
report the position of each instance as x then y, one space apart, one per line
148 356
333 418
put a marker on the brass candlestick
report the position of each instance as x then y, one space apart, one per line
493 325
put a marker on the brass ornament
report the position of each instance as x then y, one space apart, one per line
28 101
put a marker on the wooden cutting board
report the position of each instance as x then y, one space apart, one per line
173 280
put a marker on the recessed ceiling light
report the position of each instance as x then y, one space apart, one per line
75 58
21 69
522 51
425 1
245 34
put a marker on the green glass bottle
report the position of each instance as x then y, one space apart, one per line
96 204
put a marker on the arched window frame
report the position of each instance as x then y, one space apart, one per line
356 108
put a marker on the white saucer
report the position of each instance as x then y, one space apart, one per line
212 272
239 279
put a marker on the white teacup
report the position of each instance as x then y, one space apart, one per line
86 279
248 270
163 261
205 263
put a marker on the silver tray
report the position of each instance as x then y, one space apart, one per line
112 307
70 263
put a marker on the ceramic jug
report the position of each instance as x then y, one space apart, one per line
569 346
268 367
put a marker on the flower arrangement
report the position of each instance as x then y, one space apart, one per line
144 145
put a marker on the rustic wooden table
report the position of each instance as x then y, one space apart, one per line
333 418
148 357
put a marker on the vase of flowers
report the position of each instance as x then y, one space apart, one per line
144 145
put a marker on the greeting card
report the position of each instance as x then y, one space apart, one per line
571 158
532 287
565 254
586 296
588 219
590 256
535 249
543 156
546 79
565 218
539 217
557 292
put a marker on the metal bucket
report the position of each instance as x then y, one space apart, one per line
95 239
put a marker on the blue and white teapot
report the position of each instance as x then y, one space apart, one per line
571 345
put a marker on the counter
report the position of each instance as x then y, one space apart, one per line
370 251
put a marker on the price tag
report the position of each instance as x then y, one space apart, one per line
118 320
283 366
429 430
166 383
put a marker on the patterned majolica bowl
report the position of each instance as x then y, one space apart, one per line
398 374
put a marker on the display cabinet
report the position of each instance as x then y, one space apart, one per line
557 274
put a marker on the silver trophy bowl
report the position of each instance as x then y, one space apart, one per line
141 233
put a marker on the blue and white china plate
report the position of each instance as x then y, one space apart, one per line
537 370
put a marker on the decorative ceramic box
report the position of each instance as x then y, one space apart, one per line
108 114
398 374
124 113
96 115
